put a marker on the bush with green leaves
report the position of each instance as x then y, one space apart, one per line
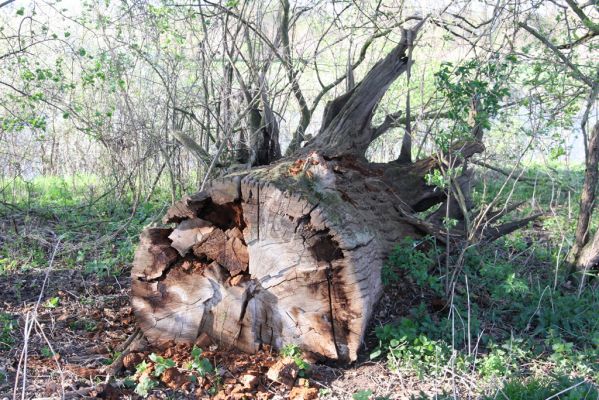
461 85
542 389
407 347
502 360
406 259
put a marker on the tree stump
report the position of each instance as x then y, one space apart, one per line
285 254
292 252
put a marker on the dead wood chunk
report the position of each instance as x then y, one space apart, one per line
249 381
303 393
284 371
236 256
186 208
131 360
203 341
178 212
238 279
173 379
234 232
189 233
231 253
225 191
154 254
212 247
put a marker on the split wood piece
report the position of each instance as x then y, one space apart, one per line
284 371
186 208
190 233
154 254
226 248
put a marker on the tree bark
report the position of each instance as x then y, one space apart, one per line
291 252
587 197
585 253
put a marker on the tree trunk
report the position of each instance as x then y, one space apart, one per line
584 255
290 252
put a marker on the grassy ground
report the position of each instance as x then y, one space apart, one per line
510 327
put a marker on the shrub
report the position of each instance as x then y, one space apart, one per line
408 260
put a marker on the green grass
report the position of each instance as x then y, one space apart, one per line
558 388
97 229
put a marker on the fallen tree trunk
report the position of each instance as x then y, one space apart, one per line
266 258
291 252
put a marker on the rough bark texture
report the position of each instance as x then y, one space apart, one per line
291 252
584 255
587 201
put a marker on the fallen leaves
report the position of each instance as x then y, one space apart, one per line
284 371
173 378
303 393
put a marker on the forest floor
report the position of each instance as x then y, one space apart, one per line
513 328
83 319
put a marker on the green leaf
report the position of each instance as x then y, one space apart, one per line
362 394
375 354
21 11
141 367
46 352
145 385
53 302
196 352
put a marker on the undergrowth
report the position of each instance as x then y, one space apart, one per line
97 229
510 318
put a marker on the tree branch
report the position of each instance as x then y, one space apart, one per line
581 40
583 17
350 132
7 2
577 73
